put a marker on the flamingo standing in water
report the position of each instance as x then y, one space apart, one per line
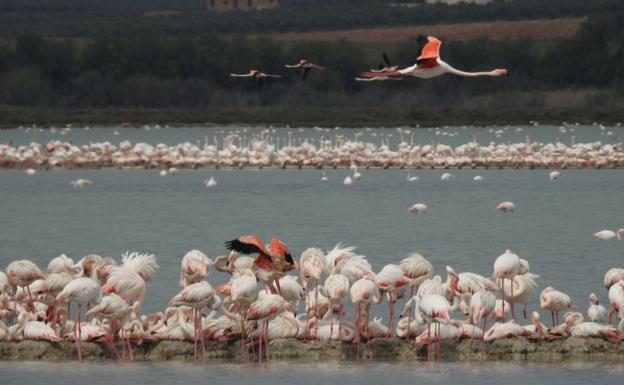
23 273
305 66
429 65
263 310
436 309
392 281
507 266
555 301
115 309
129 280
194 268
337 289
609 234
196 296
596 312
84 291
271 264
363 292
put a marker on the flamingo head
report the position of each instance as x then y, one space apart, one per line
500 72
451 272
593 298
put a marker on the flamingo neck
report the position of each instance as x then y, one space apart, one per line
457 72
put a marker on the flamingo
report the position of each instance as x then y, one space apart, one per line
386 66
391 281
30 171
482 304
210 182
446 177
348 181
197 296
554 175
613 276
270 264
336 289
305 66
243 292
256 75
417 208
507 266
504 330
520 289
323 176
609 234
81 183
195 267
429 65
575 326
616 298
84 291
555 301
263 310
23 273
363 292
411 178
129 280
112 307
506 207
596 312
478 178
536 330
436 309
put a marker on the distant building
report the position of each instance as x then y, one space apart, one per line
453 2
240 5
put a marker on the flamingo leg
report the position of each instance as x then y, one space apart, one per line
552 315
340 325
127 338
357 329
391 302
195 334
266 340
30 306
503 297
200 328
331 330
260 338
513 309
78 333
429 342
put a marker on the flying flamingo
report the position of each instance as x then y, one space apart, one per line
197 296
84 291
306 66
507 266
81 183
429 65
256 75
270 264
263 310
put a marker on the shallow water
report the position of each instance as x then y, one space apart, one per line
42 216
311 373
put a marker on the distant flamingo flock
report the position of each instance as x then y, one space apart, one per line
262 301
338 151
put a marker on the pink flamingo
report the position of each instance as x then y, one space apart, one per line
263 310
391 281
507 266
84 291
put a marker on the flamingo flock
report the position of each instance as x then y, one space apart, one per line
269 295
264 150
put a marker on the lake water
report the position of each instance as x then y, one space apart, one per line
43 216
310 373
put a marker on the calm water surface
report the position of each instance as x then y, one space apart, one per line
42 216
310 373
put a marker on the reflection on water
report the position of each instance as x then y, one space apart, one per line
311 373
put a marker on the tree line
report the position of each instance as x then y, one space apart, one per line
148 71
187 17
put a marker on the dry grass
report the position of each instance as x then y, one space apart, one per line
499 30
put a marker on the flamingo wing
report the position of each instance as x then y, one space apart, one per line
247 244
386 60
430 51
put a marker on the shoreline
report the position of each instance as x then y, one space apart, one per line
570 349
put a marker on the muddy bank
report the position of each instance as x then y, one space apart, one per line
518 349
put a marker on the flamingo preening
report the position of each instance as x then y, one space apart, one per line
306 66
429 65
